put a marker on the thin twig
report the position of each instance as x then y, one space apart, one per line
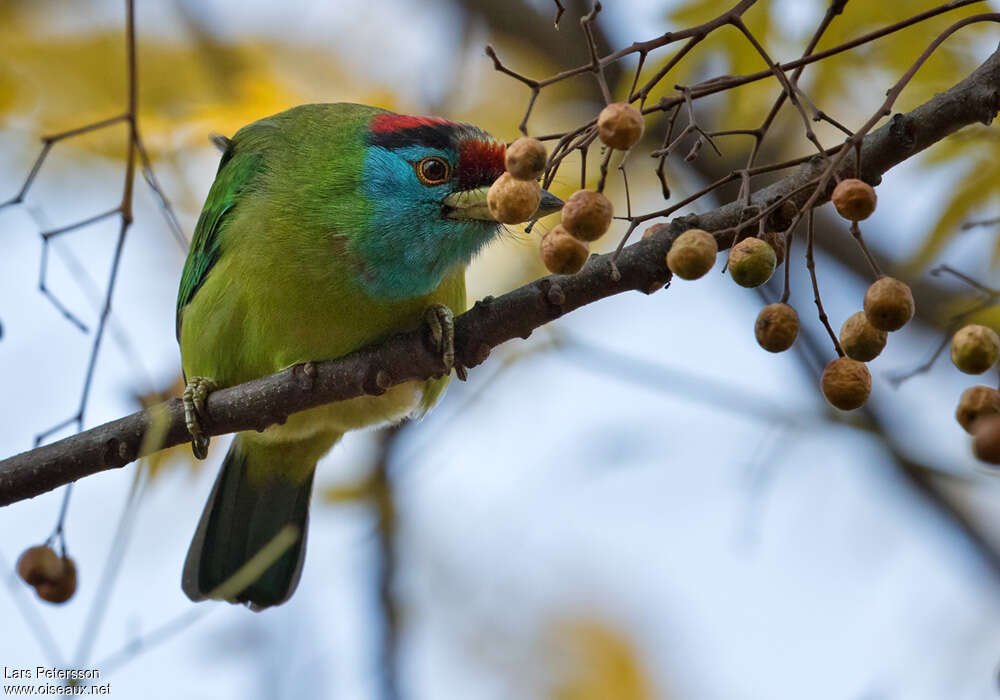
811 265
856 232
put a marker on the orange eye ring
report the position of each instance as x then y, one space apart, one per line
432 170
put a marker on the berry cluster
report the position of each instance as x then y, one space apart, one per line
587 214
888 304
974 350
887 307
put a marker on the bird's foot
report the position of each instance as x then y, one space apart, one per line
195 393
441 324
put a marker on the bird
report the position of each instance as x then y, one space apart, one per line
328 227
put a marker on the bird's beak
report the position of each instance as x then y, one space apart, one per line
550 205
471 204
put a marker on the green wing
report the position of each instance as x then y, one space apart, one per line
237 170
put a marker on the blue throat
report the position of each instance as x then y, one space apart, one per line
409 247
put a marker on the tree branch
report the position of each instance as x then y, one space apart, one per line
408 356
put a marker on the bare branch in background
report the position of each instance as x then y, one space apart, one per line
123 211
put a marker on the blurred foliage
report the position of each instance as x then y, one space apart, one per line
725 51
358 491
841 79
196 85
80 79
598 663
973 154
850 85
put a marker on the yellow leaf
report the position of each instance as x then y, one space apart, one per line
972 189
726 51
353 492
597 662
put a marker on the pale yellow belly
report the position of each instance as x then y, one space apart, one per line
363 411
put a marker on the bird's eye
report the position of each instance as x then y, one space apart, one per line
433 170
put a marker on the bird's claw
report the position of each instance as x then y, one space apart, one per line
195 393
441 324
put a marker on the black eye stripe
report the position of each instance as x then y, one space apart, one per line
429 136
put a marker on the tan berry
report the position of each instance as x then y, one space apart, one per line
562 253
975 348
39 564
977 402
751 262
777 327
649 232
526 159
692 254
846 383
861 340
620 125
62 588
587 215
513 201
986 439
854 199
53 577
777 241
889 304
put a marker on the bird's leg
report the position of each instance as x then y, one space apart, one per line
195 393
441 324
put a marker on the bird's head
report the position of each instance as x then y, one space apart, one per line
426 180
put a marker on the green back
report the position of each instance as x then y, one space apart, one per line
311 153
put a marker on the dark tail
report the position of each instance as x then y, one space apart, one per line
249 505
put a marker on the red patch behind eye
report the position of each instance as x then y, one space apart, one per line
480 163
382 123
